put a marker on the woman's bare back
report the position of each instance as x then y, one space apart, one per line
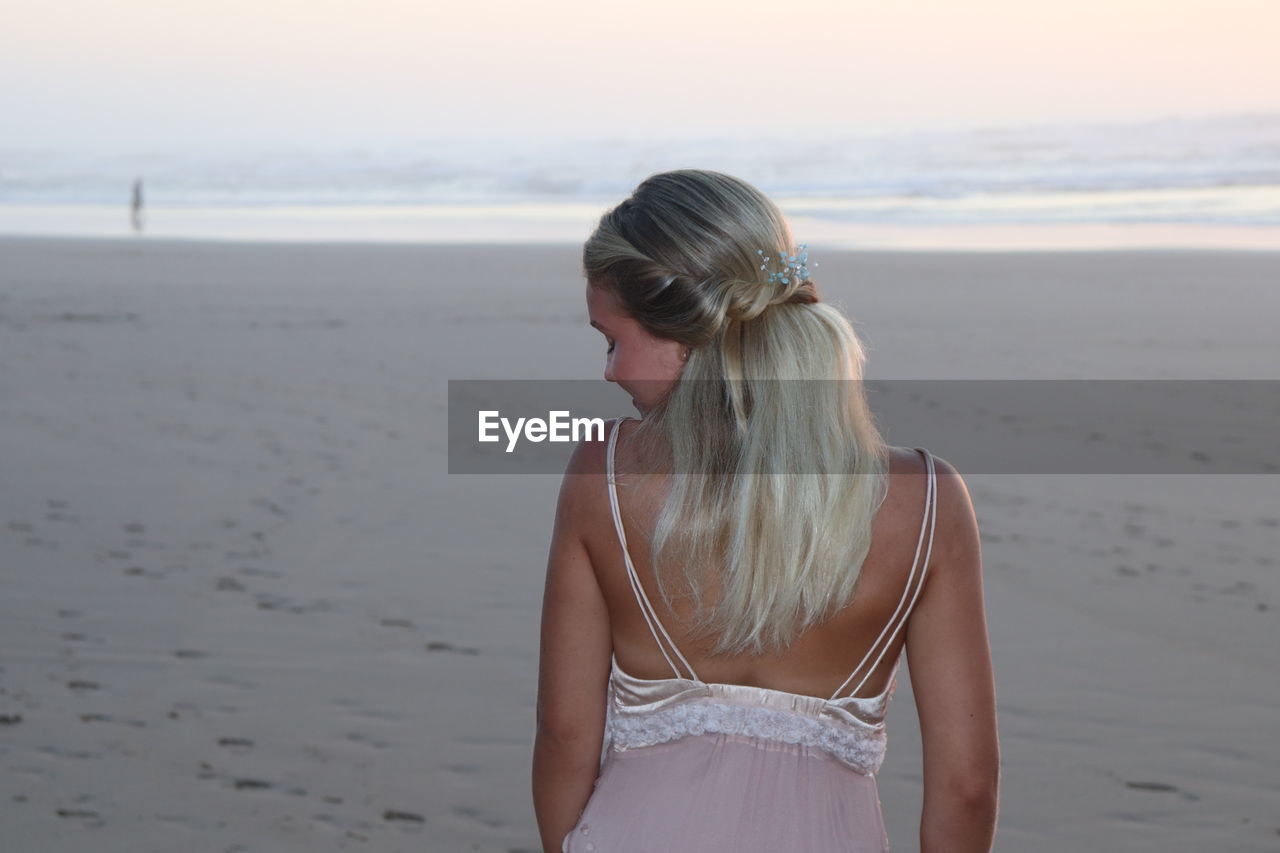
821 658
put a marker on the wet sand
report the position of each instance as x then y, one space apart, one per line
244 607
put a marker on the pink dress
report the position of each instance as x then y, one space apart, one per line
691 765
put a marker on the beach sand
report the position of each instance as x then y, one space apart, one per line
244 607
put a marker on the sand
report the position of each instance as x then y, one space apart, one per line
243 605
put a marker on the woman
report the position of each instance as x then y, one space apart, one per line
726 717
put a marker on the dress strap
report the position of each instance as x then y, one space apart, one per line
899 617
650 615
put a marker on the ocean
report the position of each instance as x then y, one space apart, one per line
1170 182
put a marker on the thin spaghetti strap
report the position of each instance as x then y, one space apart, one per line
646 609
928 520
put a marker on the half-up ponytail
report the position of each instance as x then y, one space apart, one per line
749 299
771 390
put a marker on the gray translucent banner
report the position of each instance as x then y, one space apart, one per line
996 426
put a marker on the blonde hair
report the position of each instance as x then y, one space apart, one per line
784 548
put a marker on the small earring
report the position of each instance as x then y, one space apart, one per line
684 354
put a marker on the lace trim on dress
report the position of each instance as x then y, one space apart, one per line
863 751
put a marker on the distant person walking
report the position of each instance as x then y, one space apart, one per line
135 207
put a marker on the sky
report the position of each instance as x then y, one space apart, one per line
174 73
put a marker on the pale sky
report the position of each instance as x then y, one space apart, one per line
176 73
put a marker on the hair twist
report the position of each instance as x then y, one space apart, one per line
747 300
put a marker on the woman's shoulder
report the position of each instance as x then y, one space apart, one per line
590 452
909 460
582 487
955 524
955 512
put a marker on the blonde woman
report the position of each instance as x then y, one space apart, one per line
735 576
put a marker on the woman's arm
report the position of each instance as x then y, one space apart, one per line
951 676
573 667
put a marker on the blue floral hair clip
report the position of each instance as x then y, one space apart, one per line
796 264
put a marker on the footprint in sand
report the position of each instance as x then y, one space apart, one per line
77 754
254 571
442 646
267 601
229 584
54 515
236 743
478 816
369 740
271 507
345 823
1161 787
1151 786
